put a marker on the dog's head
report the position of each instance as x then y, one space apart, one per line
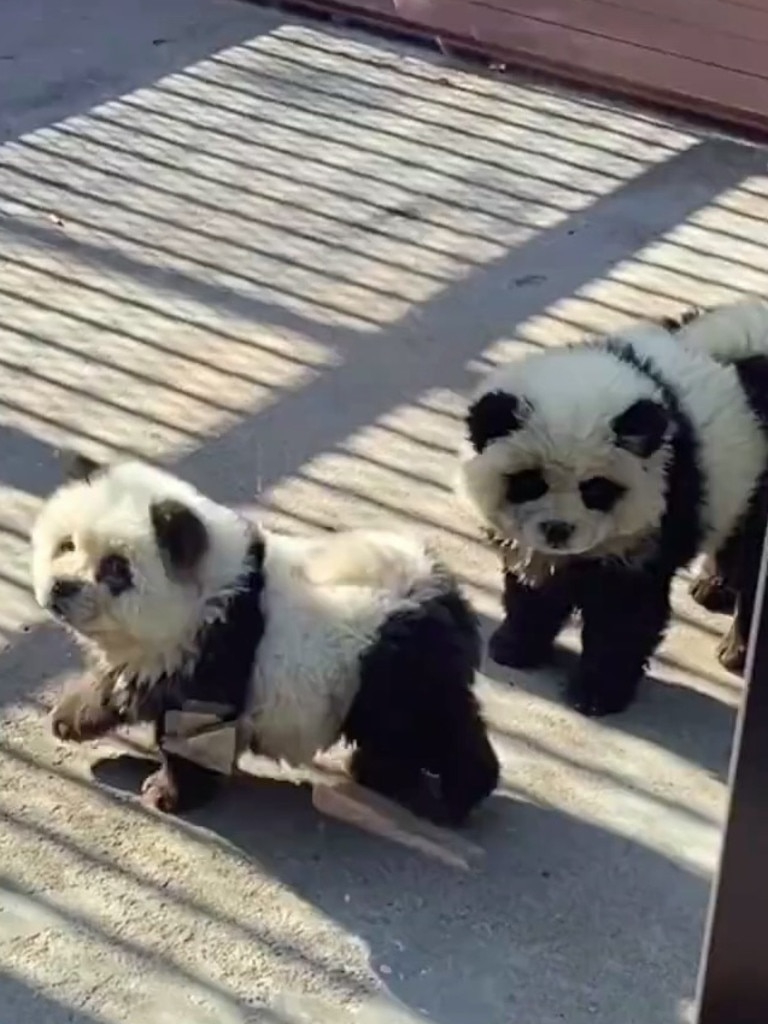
126 554
567 452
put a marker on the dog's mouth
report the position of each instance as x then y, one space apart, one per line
510 544
524 557
564 552
80 616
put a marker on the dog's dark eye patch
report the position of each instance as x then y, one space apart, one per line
527 485
114 572
600 494
65 546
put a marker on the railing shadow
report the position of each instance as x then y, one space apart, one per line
503 918
24 1002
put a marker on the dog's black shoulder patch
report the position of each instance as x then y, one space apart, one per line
226 651
227 647
681 524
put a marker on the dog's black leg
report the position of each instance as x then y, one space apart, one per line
732 651
178 784
463 758
625 614
387 771
533 618
415 719
712 591
716 586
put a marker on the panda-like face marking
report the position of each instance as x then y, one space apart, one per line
577 473
115 561
95 577
82 582
550 519
600 494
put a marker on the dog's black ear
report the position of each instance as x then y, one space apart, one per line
495 414
181 536
642 428
77 466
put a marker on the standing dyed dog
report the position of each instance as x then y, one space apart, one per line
601 469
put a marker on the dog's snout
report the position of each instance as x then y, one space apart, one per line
63 590
556 532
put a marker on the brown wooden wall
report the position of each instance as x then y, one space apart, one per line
705 56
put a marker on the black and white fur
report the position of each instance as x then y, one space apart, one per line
361 636
603 468
735 334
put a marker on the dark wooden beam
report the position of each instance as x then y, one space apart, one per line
668 52
733 983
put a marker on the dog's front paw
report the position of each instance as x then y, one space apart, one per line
712 593
732 652
597 699
510 648
81 715
160 792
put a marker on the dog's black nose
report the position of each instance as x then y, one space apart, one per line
556 532
63 590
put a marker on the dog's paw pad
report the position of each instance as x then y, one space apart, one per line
159 793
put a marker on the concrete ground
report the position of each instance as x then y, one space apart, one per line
275 255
